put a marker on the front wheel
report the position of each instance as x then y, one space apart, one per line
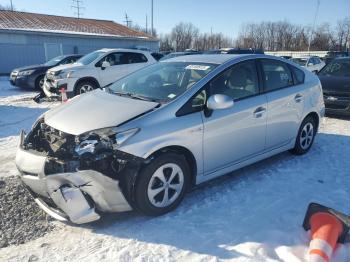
306 136
39 83
84 87
162 184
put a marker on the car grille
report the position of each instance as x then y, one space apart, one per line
336 97
50 76
336 106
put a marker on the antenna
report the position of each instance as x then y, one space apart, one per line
77 5
127 20
313 26
152 30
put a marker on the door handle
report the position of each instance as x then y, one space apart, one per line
298 98
259 112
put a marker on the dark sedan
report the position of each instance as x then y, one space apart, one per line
33 76
335 79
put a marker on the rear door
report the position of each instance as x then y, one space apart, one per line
285 96
235 134
121 64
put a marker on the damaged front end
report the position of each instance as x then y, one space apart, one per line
77 177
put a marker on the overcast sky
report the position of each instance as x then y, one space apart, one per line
224 16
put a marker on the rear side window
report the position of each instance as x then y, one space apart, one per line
276 74
137 58
299 75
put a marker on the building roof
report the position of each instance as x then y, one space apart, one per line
13 20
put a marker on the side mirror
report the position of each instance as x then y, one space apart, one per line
105 64
219 101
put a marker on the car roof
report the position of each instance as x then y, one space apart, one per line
122 50
205 58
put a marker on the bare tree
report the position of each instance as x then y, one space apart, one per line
183 36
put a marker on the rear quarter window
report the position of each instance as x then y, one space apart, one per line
299 75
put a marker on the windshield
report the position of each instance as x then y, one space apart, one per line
339 67
87 59
300 61
161 82
54 61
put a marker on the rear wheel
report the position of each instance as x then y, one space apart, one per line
306 136
84 87
162 184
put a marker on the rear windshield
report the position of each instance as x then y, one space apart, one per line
338 67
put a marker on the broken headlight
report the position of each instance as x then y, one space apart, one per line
105 138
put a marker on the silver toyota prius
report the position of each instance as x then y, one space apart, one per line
148 138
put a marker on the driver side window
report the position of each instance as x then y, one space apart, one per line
238 82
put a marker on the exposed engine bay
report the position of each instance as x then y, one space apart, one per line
69 153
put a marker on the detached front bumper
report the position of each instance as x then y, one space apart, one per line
52 88
75 196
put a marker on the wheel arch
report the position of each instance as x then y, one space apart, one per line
315 116
189 157
87 78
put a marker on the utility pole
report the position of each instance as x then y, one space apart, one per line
152 30
146 24
77 5
11 5
313 26
127 20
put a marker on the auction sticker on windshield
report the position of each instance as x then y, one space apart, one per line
198 67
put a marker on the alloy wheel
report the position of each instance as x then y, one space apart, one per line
165 185
85 89
306 136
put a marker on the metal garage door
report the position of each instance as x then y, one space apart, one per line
52 50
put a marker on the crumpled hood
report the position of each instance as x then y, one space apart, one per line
94 110
66 67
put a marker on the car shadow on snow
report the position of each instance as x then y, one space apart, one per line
263 205
15 118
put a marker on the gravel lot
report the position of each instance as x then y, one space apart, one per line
21 220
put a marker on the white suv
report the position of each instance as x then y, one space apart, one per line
311 63
94 70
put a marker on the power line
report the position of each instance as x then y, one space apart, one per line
152 30
127 20
313 26
77 5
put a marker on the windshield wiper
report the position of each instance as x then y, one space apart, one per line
135 96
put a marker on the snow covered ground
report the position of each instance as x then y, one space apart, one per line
254 214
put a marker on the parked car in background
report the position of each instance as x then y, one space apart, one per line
335 54
311 63
149 137
33 76
95 70
176 54
286 57
335 79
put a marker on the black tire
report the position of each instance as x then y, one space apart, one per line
82 87
302 145
141 195
39 82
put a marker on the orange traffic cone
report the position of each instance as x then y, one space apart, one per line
64 97
327 228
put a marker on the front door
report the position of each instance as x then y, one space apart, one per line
237 133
